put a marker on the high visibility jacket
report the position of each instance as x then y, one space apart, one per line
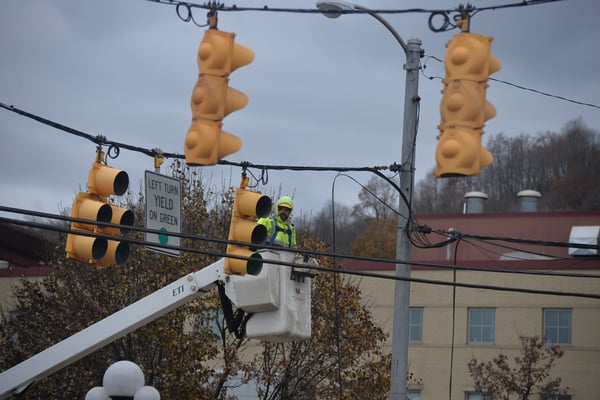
281 233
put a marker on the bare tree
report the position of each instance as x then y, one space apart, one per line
559 165
530 375
344 358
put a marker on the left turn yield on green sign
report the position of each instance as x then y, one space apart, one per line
163 212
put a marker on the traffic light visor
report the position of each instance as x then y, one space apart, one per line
248 231
92 210
253 204
116 253
85 248
251 266
105 181
120 216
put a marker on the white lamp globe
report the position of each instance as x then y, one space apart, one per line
97 393
147 393
123 378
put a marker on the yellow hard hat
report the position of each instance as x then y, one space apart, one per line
286 201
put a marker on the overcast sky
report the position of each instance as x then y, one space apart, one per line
322 92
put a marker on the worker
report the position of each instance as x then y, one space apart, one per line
280 230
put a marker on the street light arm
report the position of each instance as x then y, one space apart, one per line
387 26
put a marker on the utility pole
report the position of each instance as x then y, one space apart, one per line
413 53
399 387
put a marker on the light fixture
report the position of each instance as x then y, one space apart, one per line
332 9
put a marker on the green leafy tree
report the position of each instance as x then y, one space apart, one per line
530 375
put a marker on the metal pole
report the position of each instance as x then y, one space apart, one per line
399 376
413 52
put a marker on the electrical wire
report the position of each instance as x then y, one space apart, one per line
309 267
414 233
545 94
102 140
265 8
582 103
223 241
417 233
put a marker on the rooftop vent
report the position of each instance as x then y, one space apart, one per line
474 202
529 200
584 235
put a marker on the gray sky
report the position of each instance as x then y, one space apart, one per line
322 92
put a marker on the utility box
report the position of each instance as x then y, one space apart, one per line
280 305
588 235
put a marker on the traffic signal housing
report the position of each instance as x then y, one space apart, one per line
212 98
247 207
464 107
105 181
94 206
88 248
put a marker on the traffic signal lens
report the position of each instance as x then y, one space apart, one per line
93 210
105 181
88 248
123 217
254 265
116 253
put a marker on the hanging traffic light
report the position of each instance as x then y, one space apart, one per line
93 206
212 99
247 207
464 107
88 249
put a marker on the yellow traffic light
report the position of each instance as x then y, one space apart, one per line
212 99
464 107
247 207
103 181
118 251
87 249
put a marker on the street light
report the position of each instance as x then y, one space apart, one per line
413 52
123 380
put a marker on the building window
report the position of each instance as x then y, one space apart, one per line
557 325
414 395
557 397
482 325
415 324
473 396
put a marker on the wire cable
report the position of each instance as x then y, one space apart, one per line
309 267
317 253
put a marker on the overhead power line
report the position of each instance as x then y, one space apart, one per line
103 140
314 10
582 103
340 271
67 230
546 94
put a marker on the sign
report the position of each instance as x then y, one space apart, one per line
163 211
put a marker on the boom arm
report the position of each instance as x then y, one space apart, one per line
145 310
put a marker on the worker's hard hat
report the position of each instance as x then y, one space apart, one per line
285 201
